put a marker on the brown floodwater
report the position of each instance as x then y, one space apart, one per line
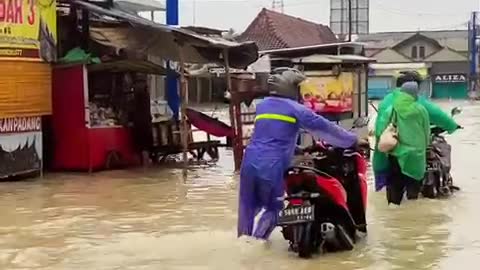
156 219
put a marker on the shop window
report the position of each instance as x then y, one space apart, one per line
414 52
422 52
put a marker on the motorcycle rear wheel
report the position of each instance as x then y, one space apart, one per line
305 243
429 192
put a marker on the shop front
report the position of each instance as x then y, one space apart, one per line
450 85
380 86
382 78
28 43
25 97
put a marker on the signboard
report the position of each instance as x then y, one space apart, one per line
450 78
28 29
20 146
329 94
340 11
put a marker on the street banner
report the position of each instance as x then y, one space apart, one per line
328 93
28 30
20 146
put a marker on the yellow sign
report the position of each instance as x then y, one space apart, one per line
28 29
329 93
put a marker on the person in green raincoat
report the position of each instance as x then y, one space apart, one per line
404 168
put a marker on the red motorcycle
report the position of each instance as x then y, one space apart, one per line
326 201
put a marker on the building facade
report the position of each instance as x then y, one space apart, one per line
441 56
28 44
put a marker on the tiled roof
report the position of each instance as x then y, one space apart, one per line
273 30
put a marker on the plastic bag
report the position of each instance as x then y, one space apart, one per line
389 139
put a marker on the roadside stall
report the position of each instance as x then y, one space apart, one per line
95 131
92 114
336 87
28 41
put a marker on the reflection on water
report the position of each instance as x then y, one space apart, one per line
158 220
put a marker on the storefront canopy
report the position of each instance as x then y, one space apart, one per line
381 69
167 42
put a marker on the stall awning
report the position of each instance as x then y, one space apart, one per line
379 69
163 41
142 66
333 59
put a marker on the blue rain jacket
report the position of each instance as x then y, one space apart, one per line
270 153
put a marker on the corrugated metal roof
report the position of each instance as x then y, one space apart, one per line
325 58
142 66
313 47
163 41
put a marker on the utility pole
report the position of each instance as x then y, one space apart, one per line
350 22
173 97
194 12
473 48
278 5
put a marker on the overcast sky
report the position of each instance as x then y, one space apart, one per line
385 15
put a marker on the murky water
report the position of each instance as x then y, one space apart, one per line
159 220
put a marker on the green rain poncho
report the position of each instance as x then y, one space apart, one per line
412 164
412 121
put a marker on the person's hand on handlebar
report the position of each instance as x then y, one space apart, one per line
362 143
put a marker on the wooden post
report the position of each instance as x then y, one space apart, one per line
183 109
210 88
236 136
199 90
85 29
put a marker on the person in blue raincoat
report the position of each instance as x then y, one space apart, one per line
278 120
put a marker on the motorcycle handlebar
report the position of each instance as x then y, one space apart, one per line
438 130
322 148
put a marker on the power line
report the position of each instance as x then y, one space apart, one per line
454 26
380 5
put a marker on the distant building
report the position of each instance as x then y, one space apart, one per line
441 56
272 30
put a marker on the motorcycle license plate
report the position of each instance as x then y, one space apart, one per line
296 214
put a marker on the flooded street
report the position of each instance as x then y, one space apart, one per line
159 220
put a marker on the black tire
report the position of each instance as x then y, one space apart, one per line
305 243
429 192
452 187
429 189
345 240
